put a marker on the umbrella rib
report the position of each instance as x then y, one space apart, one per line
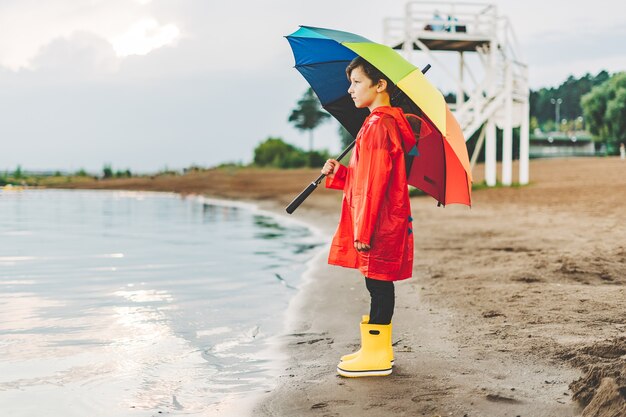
320 63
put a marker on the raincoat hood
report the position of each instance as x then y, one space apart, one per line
404 127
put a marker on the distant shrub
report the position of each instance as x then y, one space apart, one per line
230 165
193 168
123 174
167 171
274 152
318 158
107 171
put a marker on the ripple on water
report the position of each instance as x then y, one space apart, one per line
113 303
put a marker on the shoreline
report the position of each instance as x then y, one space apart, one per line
513 308
274 346
177 334
430 353
272 350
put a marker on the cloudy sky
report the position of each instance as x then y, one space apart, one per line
149 84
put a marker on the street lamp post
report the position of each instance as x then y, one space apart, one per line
557 112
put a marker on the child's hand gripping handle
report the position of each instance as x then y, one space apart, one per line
312 186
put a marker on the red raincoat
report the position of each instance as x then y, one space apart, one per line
375 208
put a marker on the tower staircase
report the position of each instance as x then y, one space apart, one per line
491 91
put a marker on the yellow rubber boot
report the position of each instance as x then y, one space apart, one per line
375 353
364 320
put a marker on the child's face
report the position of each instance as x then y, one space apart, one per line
362 89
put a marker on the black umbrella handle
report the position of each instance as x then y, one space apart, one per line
313 186
303 195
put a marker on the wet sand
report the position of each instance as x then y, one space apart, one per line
516 306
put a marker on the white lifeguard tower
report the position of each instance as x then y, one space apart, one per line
492 92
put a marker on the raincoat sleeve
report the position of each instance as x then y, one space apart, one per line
338 179
371 179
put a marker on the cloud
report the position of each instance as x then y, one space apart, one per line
211 91
80 54
27 25
564 47
552 56
144 36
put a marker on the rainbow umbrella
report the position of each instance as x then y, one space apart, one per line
438 162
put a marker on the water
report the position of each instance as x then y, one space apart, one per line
139 304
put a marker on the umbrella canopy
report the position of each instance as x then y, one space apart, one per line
438 163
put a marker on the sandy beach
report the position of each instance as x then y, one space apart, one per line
516 306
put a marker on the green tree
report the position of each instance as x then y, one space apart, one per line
534 124
616 114
123 174
308 115
18 174
276 153
604 109
318 158
107 171
570 92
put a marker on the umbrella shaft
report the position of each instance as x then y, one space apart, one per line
308 190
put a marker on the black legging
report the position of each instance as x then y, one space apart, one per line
383 300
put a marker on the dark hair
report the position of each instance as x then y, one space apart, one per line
370 71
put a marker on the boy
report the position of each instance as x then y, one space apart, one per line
374 234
